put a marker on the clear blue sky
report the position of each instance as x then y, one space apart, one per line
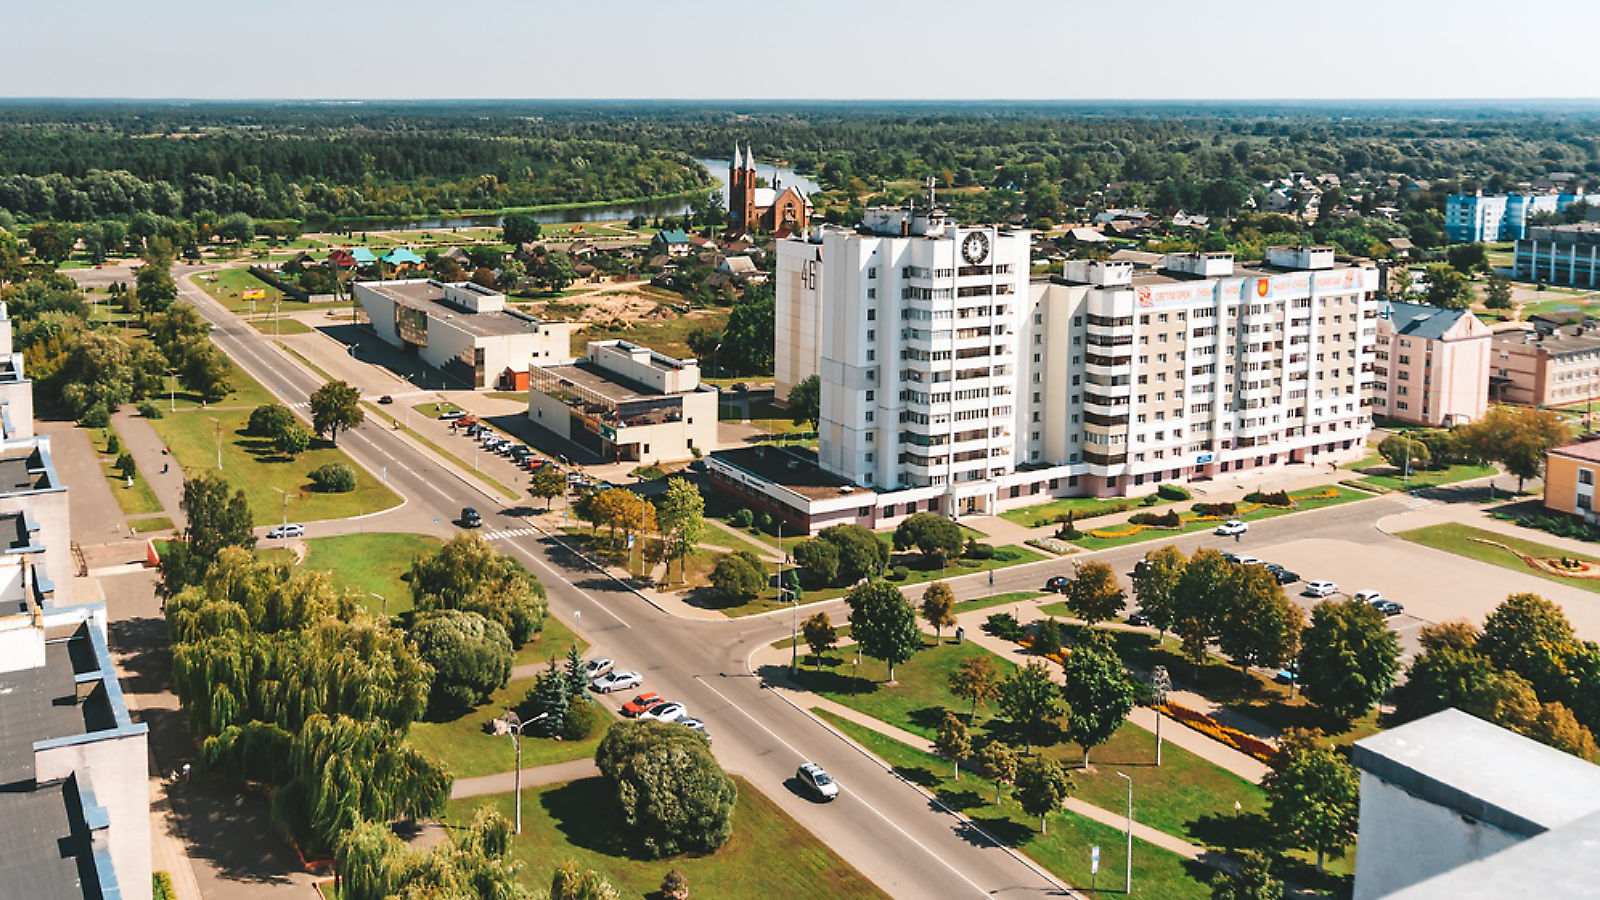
844 49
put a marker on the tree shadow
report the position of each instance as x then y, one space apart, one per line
964 799
577 809
1006 831
1234 831
929 716
836 682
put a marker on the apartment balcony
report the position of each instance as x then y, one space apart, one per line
1108 339
1104 421
1105 405
1095 458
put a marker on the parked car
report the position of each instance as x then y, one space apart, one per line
1288 674
470 517
1232 527
1283 575
1387 607
1139 617
1368 596
696 726
291 530
1246 560
665 712
616 680
598 666
385 400
1320 589
452 415
1057 584
642 703
817 781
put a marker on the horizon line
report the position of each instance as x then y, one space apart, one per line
467 99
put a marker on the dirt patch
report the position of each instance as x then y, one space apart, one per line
627 307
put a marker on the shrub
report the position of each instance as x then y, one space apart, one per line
648 473
1170 519
150 409
899 573
1215 509
1047 637
1004 626
1172 492
1269 498
334 478
1149 500
584 719
675 886
96 416
1143 518
470 656
764 520
112 444
742 518
979 550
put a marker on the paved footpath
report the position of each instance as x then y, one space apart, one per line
140 439
506 782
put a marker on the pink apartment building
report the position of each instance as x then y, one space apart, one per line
1432 365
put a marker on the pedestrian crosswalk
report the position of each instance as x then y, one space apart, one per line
1415 501
509 533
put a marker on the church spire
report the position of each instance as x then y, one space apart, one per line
737 163
749 157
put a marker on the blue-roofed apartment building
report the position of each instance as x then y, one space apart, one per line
1431 365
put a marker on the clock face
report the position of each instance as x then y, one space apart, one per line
975 249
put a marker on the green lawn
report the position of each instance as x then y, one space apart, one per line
1063 849
1382 475
150 524
246 392
284 325
468 750
226 285
137 499
733 540
993 600
769 854
1080 507
918 699
435 410
552 641
252 465
371 563
1454 537
1305 498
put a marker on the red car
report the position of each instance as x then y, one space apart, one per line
639 704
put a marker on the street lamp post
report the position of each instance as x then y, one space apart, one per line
515 724
1160 683
172 390
382 599
1127 885
285 494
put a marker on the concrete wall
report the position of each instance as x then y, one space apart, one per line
1562 485
798 323
546 410
1405 840
17 397
50 511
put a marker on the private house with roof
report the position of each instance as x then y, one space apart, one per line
673 243
464 330
626 402
1431 365
1454 807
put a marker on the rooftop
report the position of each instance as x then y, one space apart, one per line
1420 320
428 296
1440 759
1576 340
789 467
26 466
605 383
1588 451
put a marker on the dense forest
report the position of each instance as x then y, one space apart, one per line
86 161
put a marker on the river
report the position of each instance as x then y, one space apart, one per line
608 212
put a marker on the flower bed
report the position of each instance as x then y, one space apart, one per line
1551 565
1233 737
1130 529
1052 545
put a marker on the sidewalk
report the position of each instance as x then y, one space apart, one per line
506 782
140 439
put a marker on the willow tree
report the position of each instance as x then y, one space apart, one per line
470 575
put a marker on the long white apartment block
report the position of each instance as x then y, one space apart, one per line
953 381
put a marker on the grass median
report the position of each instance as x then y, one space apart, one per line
1308 499
769 854
1465 540
250 463
371 563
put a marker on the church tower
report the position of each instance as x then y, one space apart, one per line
742 190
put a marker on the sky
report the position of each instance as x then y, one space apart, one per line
818 49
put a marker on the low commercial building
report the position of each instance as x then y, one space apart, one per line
77 802
1559 254
1431 364
1569 478
1452 806
1559 366
626 402
464 330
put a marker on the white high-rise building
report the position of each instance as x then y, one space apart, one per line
952 381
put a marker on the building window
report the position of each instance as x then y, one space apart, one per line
1586 476
872 315
872 293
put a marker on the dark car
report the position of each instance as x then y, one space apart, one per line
470 517
385 400
1283 575
1057 584
1388 607
1139 617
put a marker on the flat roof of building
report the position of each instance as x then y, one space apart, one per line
428 296
1555 342
1588 451
1528 789
792 468
26 466
608 384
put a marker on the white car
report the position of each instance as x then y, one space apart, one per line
1321 589
616 680
286 531
596 667
1232 527
1247 560
665 712
1368 596
816 781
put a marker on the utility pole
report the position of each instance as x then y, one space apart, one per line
172 390
1127 885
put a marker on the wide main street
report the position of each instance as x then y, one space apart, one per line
893 833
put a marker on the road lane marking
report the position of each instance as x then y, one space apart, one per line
875 811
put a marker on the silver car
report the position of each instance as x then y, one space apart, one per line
616 680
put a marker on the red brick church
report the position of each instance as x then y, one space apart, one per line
752 208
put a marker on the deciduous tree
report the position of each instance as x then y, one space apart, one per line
1203 593
1313 795
216 517
1093 594
953 741
470 656
548 483
820 636
1515 437
468 574
672 796
861 554
738 577
883 623
937 602
1041 786
1000 762
1253 880
1032 704
1099 695
681 519
1348 658
805 401
819 557
336 407
936 537
1259 626
1155 584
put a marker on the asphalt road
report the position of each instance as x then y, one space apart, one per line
884 826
